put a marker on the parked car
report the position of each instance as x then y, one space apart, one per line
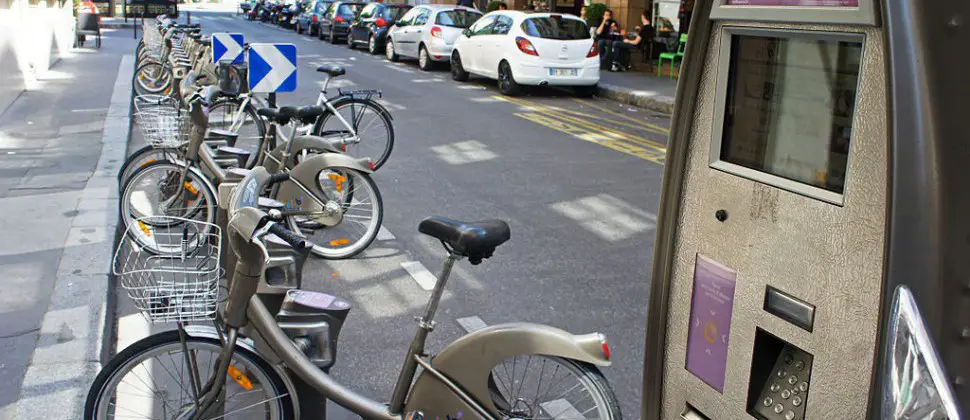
518 48
309 21
372 24
428 33
334 24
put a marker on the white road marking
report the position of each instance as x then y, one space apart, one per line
421 275
464 152
561 409
485 99
470 87
384 234
471 323
307 55
606 216
402 70
423 81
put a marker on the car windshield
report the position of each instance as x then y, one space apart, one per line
555 27
395 13
349 9
457 18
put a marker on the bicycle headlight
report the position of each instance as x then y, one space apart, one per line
915 386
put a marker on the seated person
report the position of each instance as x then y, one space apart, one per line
621 48
605 37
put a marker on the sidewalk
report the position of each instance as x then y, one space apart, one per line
641 89
60 146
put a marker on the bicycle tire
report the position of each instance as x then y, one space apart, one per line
595 382
376 108
201 183
169 338
359 245
139 158
141 89
257 121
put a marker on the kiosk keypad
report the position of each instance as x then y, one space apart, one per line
784 394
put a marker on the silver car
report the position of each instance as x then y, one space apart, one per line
428 33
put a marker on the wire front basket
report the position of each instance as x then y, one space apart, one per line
162 123
169 266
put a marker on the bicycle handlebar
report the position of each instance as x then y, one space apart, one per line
289 237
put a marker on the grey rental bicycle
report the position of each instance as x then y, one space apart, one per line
241 368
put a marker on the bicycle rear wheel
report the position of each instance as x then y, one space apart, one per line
547 387
350 218
249 128
150 379
371 122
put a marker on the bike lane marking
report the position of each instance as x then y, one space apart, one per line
420 274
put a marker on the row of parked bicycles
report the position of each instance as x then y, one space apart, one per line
245 333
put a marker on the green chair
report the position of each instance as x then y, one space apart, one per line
673 57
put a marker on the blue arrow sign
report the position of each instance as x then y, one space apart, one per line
272 68
227 47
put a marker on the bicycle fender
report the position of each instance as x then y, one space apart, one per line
299 144
307 171
206 331
469 360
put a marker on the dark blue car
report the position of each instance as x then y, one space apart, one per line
370 27
334 23
309 21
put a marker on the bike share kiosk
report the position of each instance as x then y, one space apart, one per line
808 251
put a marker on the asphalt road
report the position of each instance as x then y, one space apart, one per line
577 180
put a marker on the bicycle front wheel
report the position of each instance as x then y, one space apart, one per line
151 380
155 190
153 78
547 387
142 157
370 121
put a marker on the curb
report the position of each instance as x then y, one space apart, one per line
658 103
68 351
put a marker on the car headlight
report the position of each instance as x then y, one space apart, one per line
915 386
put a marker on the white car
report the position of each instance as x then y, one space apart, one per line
428 32
519 48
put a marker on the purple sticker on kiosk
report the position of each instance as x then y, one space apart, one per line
710 321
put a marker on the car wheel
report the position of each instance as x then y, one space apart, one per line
350 39
424 60
372 45
506 82
333 35
584 91
458 72
389 50
299 29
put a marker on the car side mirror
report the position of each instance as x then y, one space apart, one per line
467 32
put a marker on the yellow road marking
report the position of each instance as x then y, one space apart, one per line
651 154
593 126
550 108
626 117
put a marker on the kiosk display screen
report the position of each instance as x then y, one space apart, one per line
789 106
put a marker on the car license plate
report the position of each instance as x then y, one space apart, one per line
563 72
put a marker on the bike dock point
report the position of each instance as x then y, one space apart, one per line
790 271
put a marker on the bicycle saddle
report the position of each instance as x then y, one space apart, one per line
332 70
281 115
476 240
309 114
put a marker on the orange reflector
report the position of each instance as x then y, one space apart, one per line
147 162
144 228
190 188
338 180
339 242
240 379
